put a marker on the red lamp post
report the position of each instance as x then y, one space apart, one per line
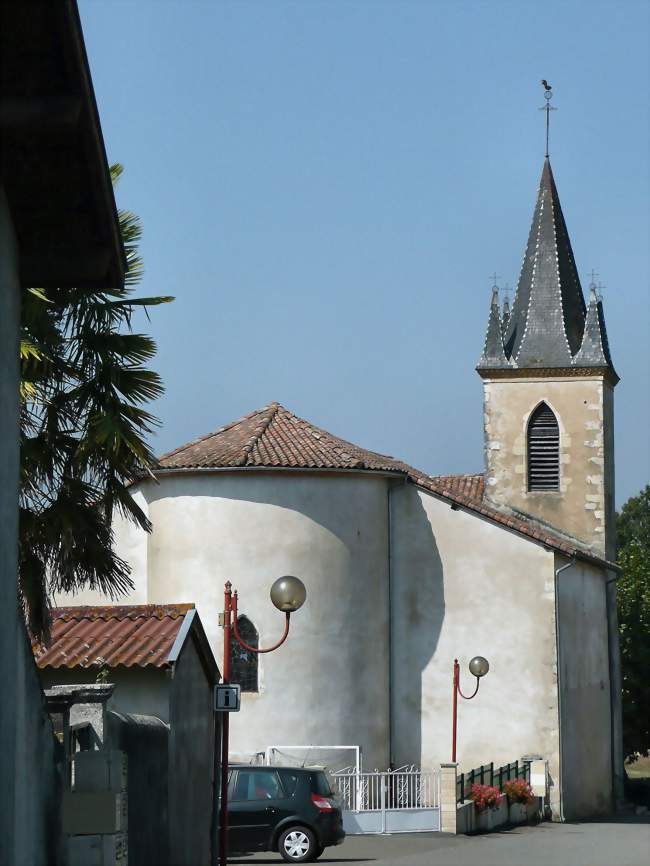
287 594
478 666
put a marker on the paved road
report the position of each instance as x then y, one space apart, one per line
619 842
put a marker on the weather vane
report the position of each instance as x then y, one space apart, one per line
548 108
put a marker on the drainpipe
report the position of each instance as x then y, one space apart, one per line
558 572
391 485
391 618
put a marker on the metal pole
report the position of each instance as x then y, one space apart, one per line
455 711
223 820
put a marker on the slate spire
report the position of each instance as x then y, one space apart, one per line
594 351
493 353
548 325
505 318
548 313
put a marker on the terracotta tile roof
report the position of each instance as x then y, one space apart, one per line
275 438
111 635
522 524
470 486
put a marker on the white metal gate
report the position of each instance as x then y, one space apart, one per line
395 801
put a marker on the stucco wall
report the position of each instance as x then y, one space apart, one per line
29 780
251 528
143 691
585 692
584 410
463 587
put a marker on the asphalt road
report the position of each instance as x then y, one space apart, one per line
616 842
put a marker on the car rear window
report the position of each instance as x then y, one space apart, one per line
320 784
257 785
289 782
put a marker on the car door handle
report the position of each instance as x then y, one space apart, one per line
270 809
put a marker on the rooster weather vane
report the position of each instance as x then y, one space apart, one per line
548 108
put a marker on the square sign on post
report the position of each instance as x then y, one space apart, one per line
227 698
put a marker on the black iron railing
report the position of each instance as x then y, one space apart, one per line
487 775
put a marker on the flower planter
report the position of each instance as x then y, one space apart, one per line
533 811
518 813
482 818
490 819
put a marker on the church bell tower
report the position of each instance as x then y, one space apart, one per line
548 386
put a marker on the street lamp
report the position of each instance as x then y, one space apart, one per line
478 666
288 594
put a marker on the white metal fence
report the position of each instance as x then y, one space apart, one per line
406 799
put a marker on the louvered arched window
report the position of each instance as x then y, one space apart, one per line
243 663
543 450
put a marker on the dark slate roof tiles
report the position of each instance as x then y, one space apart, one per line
546 325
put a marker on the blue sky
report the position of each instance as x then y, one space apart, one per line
326 186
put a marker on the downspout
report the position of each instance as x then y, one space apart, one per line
558 572
389 527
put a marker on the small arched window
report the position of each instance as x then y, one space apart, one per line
243 663
543 450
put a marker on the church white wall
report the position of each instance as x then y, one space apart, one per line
463 587
329 683
131 543
585 692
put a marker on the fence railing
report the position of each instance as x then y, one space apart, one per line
487 775
393 789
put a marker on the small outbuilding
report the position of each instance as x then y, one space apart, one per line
161 664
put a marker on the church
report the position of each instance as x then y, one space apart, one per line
406 571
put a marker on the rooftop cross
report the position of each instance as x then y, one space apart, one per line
592 277
548 95
494 279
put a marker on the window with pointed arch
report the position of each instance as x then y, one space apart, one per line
243 662
543 449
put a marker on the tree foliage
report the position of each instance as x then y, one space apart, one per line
633 536
84 425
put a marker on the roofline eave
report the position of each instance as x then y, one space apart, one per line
548 544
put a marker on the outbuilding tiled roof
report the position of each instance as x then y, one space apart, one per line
111 635
275 438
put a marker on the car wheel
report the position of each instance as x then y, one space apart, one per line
297 845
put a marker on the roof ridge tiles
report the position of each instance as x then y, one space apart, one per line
223 429
271 412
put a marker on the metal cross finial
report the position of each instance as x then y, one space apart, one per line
494 279
548 95
592 278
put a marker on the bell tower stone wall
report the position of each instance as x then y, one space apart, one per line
583 507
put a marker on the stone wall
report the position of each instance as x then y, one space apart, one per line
583 406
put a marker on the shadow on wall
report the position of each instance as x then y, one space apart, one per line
418 600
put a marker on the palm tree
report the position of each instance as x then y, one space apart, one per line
84 386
